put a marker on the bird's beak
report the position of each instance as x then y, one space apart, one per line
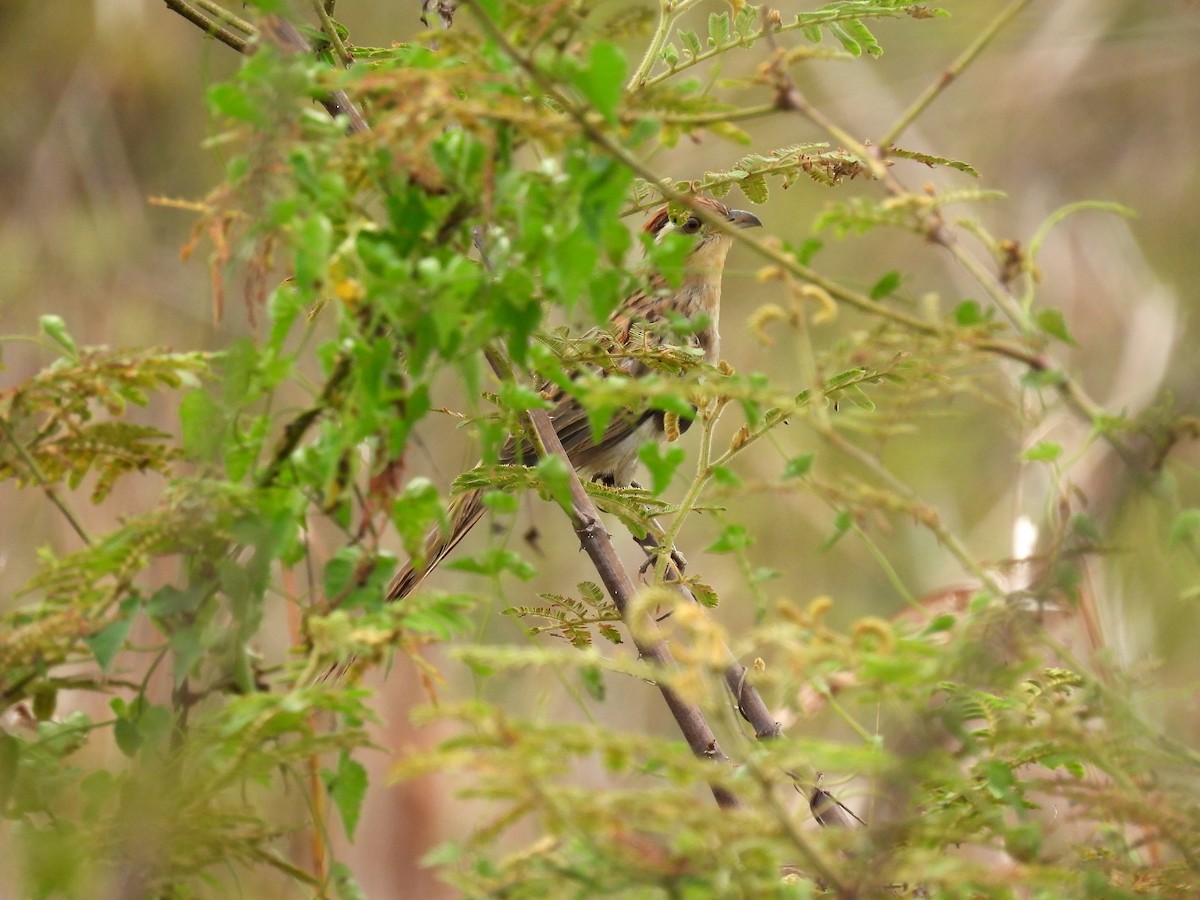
739 218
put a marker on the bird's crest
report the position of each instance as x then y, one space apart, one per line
664 214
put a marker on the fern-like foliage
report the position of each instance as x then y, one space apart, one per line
573 619
65 421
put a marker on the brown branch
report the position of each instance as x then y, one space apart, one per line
748 701
209 25
286 38
598 545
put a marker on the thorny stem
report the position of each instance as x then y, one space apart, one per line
598 544
951 72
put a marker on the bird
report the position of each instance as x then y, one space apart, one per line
640 322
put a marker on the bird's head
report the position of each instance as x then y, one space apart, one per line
710 243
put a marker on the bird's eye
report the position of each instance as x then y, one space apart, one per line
691 226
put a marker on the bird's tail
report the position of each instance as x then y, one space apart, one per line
465 510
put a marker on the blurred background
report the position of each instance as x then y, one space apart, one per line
1075 100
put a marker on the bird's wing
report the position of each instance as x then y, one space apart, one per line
571 420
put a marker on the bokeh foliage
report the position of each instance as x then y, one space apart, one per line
487 212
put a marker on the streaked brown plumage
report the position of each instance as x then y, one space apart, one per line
613 458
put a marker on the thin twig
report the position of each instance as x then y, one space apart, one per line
43 482
227 17
666 17
952 71
208 25
704 118
826 16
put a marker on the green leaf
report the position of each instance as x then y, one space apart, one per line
555 478
187 647
1184 525
885 285
45 700
809 248
726 477
445 854
56 330
969 313
126 736
415 512
732 538
232 102
339 570
938 624
1054 324
661 461
862 35
1085 526
602 80
849 44
347 787
691 42
718 29
1045 451
704 592
755 188
1043 378
798 466
999 778
746 21
105 643
314 238
592 679
931 160
856 395
842 523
